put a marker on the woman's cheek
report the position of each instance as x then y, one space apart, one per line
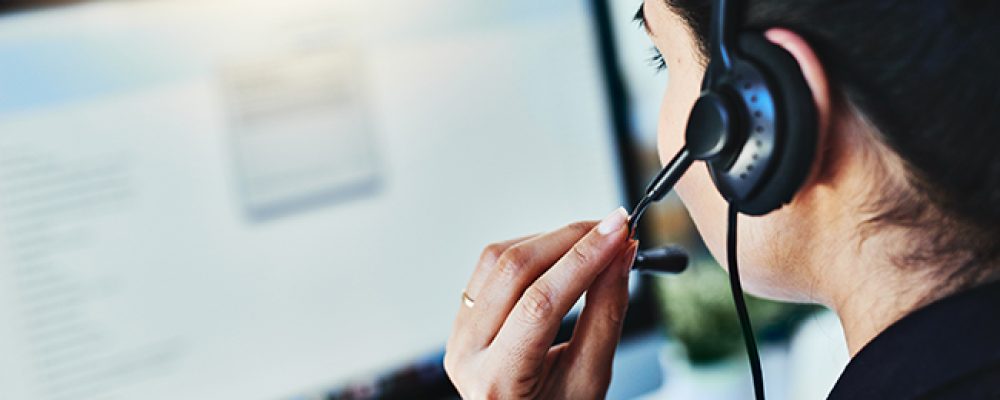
673 120
697 191
706 206
682 91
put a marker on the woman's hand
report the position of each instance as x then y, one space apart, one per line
501 344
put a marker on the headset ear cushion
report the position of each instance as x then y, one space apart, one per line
796 124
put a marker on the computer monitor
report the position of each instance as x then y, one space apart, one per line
250 199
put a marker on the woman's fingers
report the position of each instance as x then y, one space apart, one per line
527 333
598 329
487 261
516 268
504 271
462 329
522 289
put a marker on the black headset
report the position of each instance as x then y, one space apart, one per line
755 125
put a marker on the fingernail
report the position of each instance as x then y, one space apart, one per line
630 258
613 222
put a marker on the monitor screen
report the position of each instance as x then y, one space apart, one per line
250 199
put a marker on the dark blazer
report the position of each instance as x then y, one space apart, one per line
949 349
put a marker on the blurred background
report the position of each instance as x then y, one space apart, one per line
249 199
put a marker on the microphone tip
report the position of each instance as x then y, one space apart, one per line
664 260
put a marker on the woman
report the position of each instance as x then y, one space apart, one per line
897 228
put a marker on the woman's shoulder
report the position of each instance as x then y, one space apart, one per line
949 349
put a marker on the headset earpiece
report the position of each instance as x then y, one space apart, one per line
795 125
755 126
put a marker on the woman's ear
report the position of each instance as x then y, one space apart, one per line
819 85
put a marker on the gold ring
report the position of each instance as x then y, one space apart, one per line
468 301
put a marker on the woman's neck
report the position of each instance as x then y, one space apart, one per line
853 270
872 292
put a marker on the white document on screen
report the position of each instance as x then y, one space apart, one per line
262 200
300 128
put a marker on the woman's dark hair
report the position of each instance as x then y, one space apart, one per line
926 75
